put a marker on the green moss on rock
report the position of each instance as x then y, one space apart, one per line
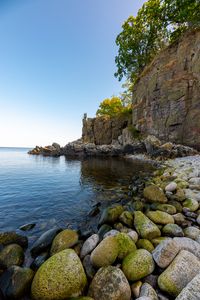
125 245
64 240
145 227
145 244
60 277
160 217
111 214
154 194
138 265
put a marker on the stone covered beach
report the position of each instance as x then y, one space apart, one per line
147 248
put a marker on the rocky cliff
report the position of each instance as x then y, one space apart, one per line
166 98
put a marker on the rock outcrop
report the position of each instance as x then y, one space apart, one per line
169 105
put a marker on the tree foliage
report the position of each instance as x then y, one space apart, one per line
157 23
112 107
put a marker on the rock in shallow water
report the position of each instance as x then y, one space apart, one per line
138 264
11 255
12 237
44 241
60 277
180 272
110 283
15 282
64 240
111 214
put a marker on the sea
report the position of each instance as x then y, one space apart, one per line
59 191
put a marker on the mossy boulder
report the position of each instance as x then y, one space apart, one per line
145 227
177 205
111 214
145 244
11 255
110 283
125 245
191 204
160 217
81 298
64 240
154 194
138 265
172 230
170 209
105 253
60 277
126 218
12 237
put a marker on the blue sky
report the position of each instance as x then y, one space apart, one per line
56 63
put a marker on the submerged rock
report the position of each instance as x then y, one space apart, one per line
138 265
27 227
60 277
15 282
11 255
44 241
12 237
110 283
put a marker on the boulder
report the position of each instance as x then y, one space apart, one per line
191 204
141 258
110 283
148 291
105 253
111 214
192 232
15 282
172 230
44 241
165 252
65 239
60 277
145 244
89 245
126 218
12 237
170 209
179 273
11 255
145 227
191 291
189 245
154 194
160 217
125 245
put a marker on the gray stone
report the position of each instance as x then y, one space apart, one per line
148 291
171 187
179 273
112 232
192 232
110 283
189 245
165 252
89 245
191 291
172 230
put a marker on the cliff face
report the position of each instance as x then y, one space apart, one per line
166 99
103 131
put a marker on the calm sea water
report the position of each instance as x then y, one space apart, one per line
49 191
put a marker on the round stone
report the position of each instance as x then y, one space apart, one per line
64 240
11 255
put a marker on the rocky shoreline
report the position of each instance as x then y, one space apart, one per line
147 248
150 145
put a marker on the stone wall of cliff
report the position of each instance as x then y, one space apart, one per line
105 131
166 98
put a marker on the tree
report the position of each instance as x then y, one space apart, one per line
112 107
157 23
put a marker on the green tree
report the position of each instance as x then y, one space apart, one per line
157 23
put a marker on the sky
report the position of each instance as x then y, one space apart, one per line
57 62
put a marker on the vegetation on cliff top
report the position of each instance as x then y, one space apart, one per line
113 107
157 24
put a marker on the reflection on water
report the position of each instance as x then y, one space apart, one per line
49 191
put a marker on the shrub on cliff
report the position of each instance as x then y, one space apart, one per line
112 107
157 23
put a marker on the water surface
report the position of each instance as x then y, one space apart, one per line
49 191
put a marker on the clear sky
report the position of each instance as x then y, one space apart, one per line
56 63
